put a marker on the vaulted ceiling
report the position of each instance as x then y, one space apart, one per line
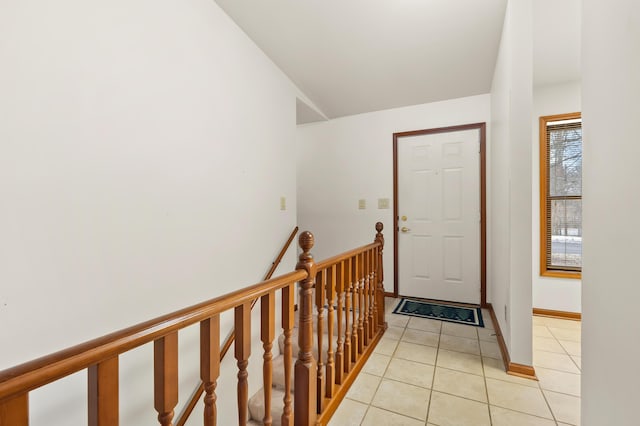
356 56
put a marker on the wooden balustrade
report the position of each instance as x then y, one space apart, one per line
288 320
355 299
361 302
380 275
305 403
209 367
331 295
320 289
342 333
193 401
348 308
165 373
267 334
347 287
103 393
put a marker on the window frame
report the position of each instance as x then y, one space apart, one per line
545 271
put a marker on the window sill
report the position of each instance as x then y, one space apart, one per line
552 273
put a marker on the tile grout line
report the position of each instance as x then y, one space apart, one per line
525 413
486 386
433 377
540 386
549 406
477 339
451 369
552 352
438 349
364 416
574 363
392 356
555 369
565 353
376 391
382 378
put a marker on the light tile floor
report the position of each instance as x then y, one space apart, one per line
427 372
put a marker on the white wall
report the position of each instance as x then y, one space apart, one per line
611 181
550 293
144 149
351 158
510 215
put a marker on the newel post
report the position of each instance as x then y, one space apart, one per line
380 277
305 370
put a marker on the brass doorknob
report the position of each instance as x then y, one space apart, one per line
405 229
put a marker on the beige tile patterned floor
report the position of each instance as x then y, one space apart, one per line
433 373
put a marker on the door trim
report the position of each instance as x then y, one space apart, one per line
482 127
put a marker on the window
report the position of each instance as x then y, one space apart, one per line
561 195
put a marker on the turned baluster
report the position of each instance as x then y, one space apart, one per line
348 308
15 411
288 319
305 401
165 368
267 334
365 296
361 305
354 310
367 302
210 366
374 291
339 367
331 299
103 393
242 345
320 298
380 278
371 294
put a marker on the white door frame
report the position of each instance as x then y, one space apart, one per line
397 138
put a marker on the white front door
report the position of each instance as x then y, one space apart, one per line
439 216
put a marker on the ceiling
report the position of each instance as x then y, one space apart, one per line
356 56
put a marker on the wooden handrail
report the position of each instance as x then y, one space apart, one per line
344 256
229 341
197 393
285 247
354 276
41 371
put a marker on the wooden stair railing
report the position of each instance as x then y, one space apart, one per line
352 280
350 285
200 389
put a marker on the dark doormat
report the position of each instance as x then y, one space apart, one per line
440 311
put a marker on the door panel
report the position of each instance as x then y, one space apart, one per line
453 259
452 194
439 193
422 248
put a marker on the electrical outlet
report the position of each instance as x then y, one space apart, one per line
362 204
383 203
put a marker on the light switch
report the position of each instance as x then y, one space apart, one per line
283 203
362 204
383 203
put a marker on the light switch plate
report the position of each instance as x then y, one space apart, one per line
283 203
383 203
362 204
